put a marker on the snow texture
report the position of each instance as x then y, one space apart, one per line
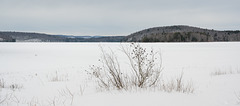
53 74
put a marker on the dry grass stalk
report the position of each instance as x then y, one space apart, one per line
177 85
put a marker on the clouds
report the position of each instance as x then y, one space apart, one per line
95 17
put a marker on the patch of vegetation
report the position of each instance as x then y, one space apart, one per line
178 37
224 72
15 86
194 39
175 27
150 39
177 85
145 71
233 32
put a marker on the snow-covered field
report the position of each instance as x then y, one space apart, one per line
53 74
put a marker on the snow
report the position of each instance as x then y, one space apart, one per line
46 74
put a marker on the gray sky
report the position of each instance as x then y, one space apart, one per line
115 17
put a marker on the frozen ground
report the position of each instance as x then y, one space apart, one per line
53 74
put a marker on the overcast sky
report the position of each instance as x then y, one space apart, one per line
115 17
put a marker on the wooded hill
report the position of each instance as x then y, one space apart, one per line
182 33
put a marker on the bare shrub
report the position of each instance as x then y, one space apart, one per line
109 74
144 67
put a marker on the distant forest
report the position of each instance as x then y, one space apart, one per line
38 37
182 34
178 33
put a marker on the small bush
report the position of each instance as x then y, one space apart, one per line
109 74
144 72
144 68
